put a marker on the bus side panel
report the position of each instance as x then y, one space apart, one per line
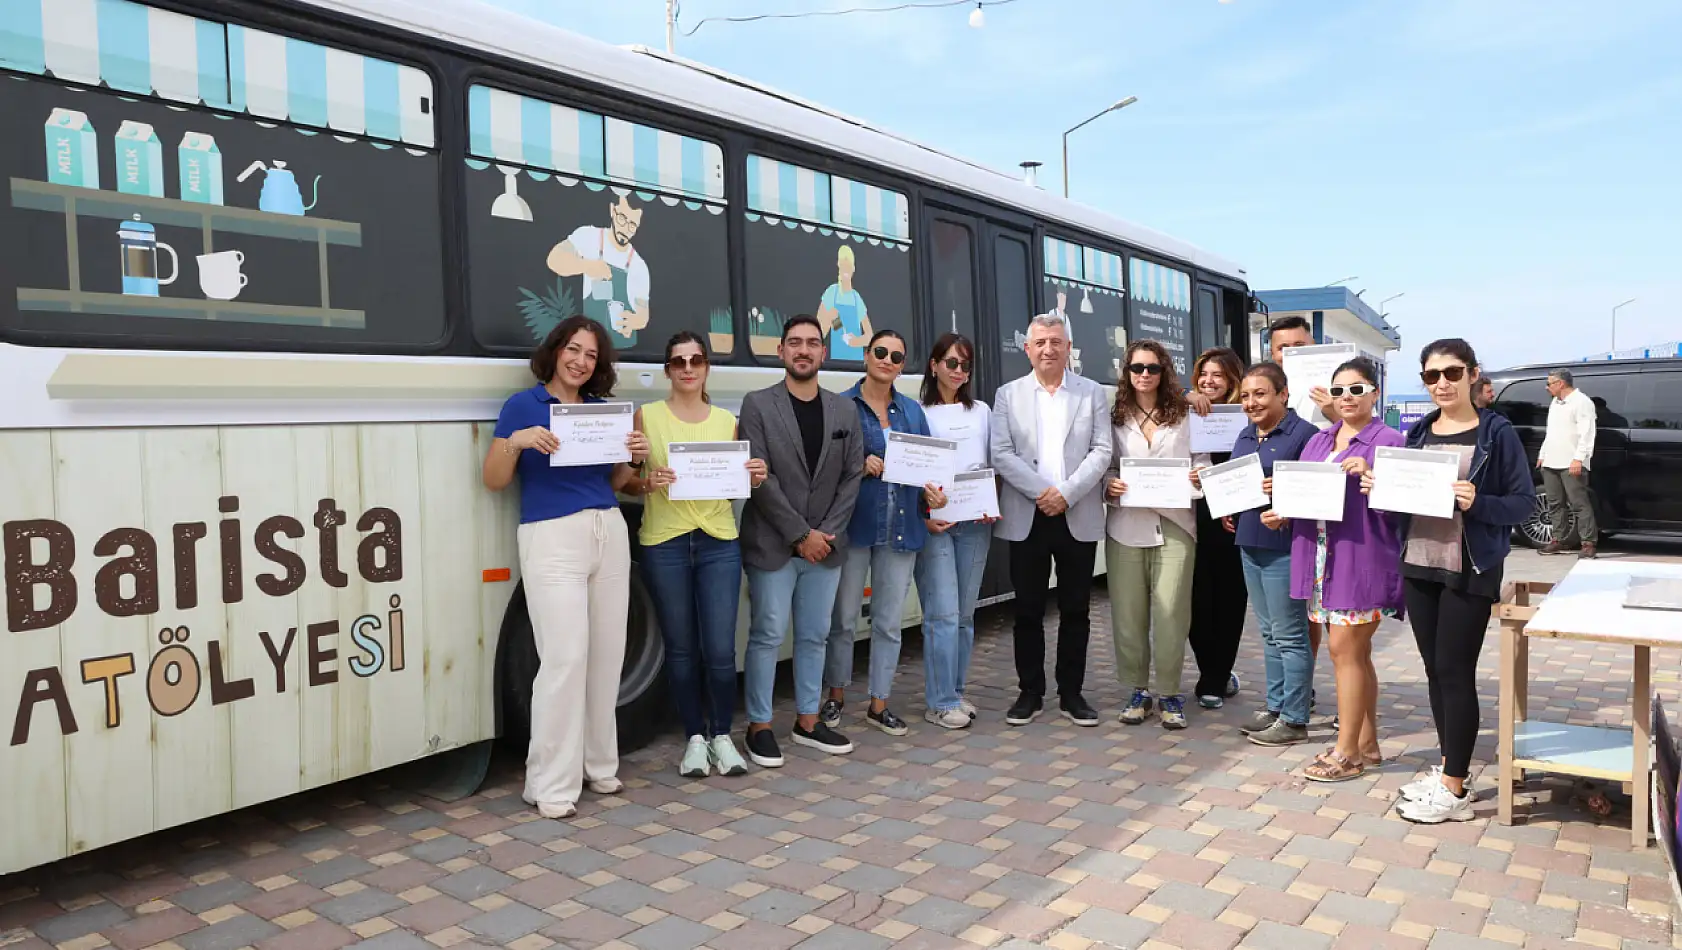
322 712
32 774
352 725
98 487
191 751
456 675
391 478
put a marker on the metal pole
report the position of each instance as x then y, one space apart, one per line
1615 324
1065 164
671 27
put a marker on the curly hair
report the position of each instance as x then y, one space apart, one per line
1230 365
601 382
1171 405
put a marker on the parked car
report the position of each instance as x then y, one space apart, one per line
1636 472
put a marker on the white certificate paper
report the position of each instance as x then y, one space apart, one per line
591 433
919 460
1309 366
1415 481
1217 431
972 496
1234 486
1156 483
708 471
1312 491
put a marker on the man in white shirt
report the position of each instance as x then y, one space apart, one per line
1564 460
1051 447
614 277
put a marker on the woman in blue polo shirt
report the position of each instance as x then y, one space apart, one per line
575 557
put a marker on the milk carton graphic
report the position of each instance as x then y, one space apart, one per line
72 150
201 169
140 160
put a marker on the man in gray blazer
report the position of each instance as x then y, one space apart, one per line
794 535
1051 446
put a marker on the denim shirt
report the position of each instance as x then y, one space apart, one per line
1284 443
886 513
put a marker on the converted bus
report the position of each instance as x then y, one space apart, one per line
271 268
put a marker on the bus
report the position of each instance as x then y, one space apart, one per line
271 268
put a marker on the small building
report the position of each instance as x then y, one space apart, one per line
1337 316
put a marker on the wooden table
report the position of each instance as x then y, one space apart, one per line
1586 605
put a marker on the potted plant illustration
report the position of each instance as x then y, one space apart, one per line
544 312
765 330
721 330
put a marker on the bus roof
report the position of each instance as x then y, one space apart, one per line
699 88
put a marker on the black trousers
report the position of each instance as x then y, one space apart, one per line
1031 559
1449 625
1219 604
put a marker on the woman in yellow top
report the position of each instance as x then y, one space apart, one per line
692 563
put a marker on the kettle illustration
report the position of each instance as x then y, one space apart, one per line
281 194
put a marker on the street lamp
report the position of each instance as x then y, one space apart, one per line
1343 280
977 17
1386 300
1615 323
1122 104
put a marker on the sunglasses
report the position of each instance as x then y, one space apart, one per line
1453 374
1353 389
955 364
1145 369
696 361
893 356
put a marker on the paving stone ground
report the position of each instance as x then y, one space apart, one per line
1048 835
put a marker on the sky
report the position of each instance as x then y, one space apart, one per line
1513 168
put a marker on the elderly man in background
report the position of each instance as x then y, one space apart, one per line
1564 460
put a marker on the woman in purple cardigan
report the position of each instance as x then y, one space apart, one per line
1349 571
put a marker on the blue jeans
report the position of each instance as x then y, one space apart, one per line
938 589
971 542
696 584
802 593
1283 620
889 575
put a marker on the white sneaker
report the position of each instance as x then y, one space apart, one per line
695 763
558 811
606 786
967 707
1439 805
725 758
1421 786
950 719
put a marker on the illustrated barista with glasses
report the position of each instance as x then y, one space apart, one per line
615 277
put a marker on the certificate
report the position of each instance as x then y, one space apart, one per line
919 460
1415 481
1309 366
971 496
1312 491
1217 431
1234 486
1156 483
591 433
708 471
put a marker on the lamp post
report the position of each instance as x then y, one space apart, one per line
1344 280
1615 323
1386 300
1122 104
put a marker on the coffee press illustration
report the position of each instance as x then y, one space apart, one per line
281 194
140 247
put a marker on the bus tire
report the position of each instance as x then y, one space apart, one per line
642 685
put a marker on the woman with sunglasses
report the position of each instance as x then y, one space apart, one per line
1451 567
1349 571
955 555
692 563
1150 552
1219 602
886 532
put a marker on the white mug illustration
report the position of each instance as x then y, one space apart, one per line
281 194
140 247
219 274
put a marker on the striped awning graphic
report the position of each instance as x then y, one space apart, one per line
508 127
787 190
1163 286
1062 259
1079 262
134 48
1102 267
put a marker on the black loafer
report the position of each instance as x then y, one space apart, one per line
1023 711
1079 712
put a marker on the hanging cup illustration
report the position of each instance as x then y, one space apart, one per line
281 194
140 246
219 274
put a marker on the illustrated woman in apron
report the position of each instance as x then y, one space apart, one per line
846 307
609 298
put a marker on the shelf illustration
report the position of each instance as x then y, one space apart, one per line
211 220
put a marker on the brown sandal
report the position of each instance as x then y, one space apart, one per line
1332 767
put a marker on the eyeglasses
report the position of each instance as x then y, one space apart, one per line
895 357
955 364
1353 389
1453 374
1145 369
695 361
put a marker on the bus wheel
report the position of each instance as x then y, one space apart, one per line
642 684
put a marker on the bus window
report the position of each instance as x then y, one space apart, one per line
1083 286
1161 309
132 222
571 212
831 247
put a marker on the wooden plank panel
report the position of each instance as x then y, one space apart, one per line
454 674
98 489
32 781
317 602
352 743
389 457
191 751
498 517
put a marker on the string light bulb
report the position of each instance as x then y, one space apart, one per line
977 17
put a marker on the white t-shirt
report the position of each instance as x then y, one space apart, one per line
596 244
970 428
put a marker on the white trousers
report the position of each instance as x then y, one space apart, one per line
577 573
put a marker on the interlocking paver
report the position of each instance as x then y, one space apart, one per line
507 924
1112 929
241 931
777 906
1269 935
1357 910
362 905
1533 918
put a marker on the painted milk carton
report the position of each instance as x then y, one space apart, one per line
72 150
140 160
201 169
